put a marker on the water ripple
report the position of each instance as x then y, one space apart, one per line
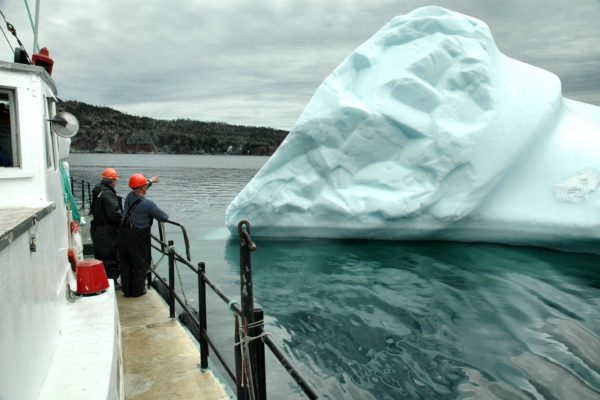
391 320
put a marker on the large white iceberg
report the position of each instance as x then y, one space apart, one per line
427 131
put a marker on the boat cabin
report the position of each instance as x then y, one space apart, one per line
29 151
40 325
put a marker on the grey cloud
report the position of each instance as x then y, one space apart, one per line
258 62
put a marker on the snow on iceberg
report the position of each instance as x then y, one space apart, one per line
427 131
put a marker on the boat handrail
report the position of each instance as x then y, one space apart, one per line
249 322
251 325
83 195
186 240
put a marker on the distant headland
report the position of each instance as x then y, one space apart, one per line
105 130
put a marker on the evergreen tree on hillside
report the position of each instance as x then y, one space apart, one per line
104 129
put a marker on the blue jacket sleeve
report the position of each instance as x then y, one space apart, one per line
157 213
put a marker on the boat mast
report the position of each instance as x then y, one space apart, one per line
35 28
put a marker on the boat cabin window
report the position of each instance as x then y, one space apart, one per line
9 144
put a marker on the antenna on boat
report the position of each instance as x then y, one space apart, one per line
21 55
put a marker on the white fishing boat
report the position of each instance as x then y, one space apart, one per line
55 343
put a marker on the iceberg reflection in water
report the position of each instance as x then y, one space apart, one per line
387 320
434 320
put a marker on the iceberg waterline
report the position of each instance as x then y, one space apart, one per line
427 131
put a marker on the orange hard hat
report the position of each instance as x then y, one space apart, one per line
137 180
110 173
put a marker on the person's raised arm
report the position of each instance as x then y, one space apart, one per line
152 180
157 213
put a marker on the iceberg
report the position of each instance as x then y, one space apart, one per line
428 132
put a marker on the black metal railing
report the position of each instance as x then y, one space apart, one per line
82 193
249 337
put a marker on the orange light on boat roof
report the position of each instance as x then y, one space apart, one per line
43 59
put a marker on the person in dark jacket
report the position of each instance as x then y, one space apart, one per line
133 243
106 209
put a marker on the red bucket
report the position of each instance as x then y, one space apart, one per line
91 277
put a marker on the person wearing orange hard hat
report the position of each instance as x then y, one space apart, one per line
107 213
133 243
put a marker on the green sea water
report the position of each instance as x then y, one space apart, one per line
386 319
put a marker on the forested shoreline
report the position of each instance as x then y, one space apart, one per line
105 130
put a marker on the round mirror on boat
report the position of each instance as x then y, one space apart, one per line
64 124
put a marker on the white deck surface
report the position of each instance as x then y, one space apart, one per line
84 365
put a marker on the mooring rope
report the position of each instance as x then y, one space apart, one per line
71 295
6 37
256 324
247 339
30 17
245 358
230 306
155 265
181 284
244 344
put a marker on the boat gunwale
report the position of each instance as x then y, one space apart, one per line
24 225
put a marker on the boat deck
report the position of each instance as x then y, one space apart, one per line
160 359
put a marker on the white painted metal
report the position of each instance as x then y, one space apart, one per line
32 306
72 375
35 315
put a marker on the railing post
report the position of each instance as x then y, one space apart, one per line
72 187
171 279
161 234
82 194
247 297
258 354
89 194
246 291
202 311
241 390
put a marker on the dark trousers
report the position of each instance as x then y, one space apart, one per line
104 238
133 253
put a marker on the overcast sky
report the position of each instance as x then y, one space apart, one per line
258 62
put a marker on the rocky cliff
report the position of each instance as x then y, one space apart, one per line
105 130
